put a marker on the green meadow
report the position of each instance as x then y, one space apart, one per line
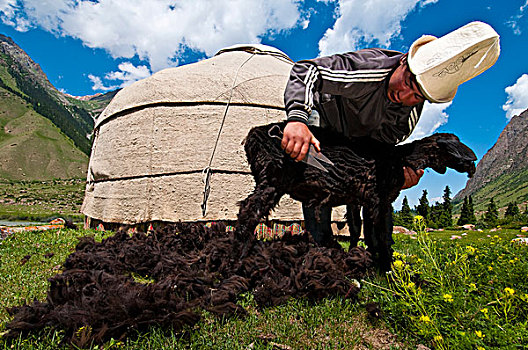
469 292
41 200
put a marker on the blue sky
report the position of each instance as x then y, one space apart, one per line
90 46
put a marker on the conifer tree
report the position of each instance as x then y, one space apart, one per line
396 218
446 218
491 217
435 214
472 219
512 211
406 214
423 208
464 213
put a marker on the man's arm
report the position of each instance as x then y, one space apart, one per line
305 80
333 75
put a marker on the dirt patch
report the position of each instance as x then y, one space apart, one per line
167 277
378 338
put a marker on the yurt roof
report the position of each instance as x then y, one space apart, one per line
210 81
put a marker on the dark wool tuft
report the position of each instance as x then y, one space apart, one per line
189 268
365 173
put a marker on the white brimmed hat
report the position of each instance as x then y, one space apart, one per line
441 64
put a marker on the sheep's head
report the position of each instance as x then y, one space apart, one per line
440 151
457 155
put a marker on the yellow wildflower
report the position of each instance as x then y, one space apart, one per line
480 348
490 268
484 311
425 318
470 250
472 286
448 298
509 291
418 220
438 338
480 334
398 264
410 285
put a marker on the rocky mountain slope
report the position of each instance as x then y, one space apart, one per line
503 171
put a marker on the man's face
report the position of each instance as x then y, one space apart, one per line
403 87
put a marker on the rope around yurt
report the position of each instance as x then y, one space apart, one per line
207 170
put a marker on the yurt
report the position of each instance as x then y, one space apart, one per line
170 147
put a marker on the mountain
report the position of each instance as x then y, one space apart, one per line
503 171
32 147
44 134
24 78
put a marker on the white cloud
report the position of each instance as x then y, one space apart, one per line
8 15
436 200
98 84
433 116
366 21
517 101
157 31
514 20
127 74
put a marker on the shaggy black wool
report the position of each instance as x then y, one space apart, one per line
192 268
365 173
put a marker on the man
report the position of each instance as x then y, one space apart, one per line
380 94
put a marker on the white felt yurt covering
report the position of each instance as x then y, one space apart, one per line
156 136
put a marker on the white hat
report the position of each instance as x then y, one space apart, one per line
441 64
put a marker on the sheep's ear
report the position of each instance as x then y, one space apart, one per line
440 169
457 149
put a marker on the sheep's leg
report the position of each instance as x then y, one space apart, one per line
353 217
318 222
255 207
378 235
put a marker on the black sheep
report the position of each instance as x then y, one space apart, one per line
365 173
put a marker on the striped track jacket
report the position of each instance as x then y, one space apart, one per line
350 93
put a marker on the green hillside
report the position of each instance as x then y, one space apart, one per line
24 78
509 187
32 147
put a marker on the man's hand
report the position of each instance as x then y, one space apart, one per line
411 177
297 139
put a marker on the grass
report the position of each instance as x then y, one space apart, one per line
509 187
468 293
435 296
331 323
41 200
26 263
